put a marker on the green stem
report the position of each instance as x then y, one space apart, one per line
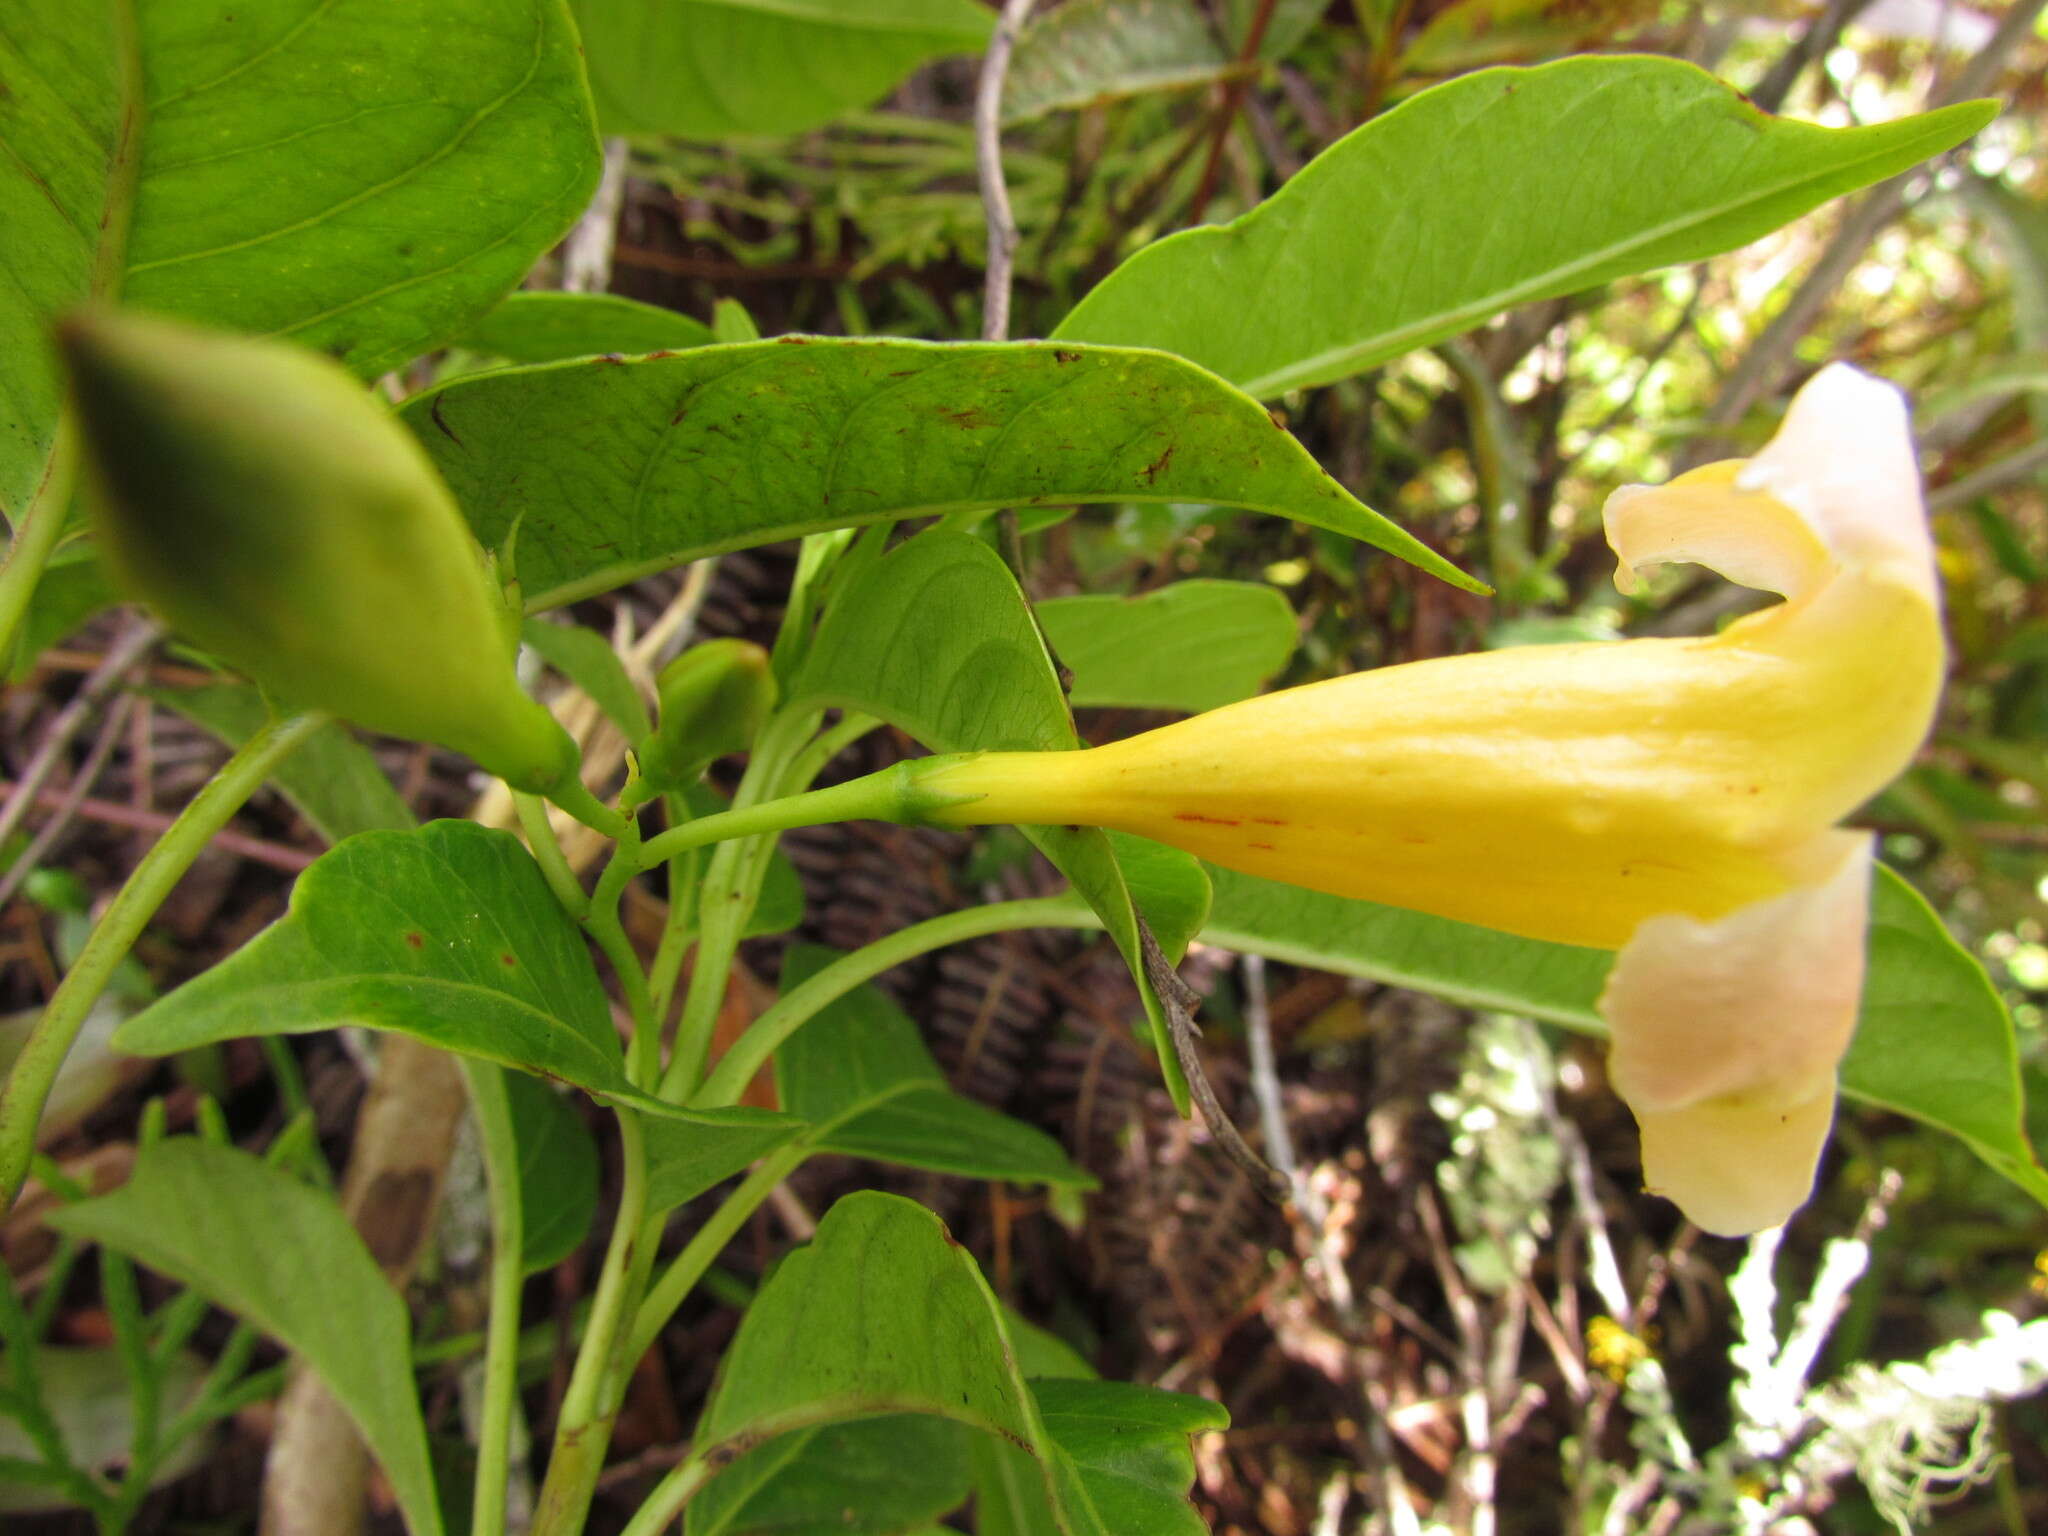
828 745
669 1497
28 1086
573 797
687 1267
883 796
508 1246
37 531
682 914
583 1428
794 1008
547 853
602 923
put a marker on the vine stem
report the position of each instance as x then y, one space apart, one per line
28 1086
508 1245
988 165
793 1009
583 1428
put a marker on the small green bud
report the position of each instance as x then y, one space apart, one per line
272 512
714 698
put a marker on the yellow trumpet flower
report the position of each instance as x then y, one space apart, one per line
1675 800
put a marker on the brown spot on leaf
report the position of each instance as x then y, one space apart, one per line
416 939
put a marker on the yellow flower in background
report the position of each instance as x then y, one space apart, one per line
1675 800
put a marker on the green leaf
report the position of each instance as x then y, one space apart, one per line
587 659
646 464
1192 646
1121 1455
89 1397
859 1072
870 1477
558 1171
936 639
448 934
708 69
277 166
883 1312
1933 1040
1091 51
685 1159
72 590
1495 189
541 326
332 780
262 1245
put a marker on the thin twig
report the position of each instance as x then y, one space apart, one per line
66 809
1815 42
117 814
119 660
1992 477
988 165
1177 1000
1226 111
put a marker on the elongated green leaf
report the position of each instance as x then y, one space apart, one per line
1192 646
861 1075
544 327
1933 1040
649 463
1493 190
332 779
266 1247
281 166
587 659
870 1477
1091 51
707 69
558 1171
935 638
448 934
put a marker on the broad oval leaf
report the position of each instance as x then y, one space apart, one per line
448 934
860 1073
264 1246
824 1341
1933 1040
1495 189
1191 646
647 463
1121 1455
708 69
281 166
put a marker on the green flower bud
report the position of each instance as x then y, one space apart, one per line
259 499
714 698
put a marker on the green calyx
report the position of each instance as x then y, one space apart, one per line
258 498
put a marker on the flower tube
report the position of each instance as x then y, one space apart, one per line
1675 800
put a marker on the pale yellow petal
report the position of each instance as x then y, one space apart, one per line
1727 1036
1836 489
1734 1167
